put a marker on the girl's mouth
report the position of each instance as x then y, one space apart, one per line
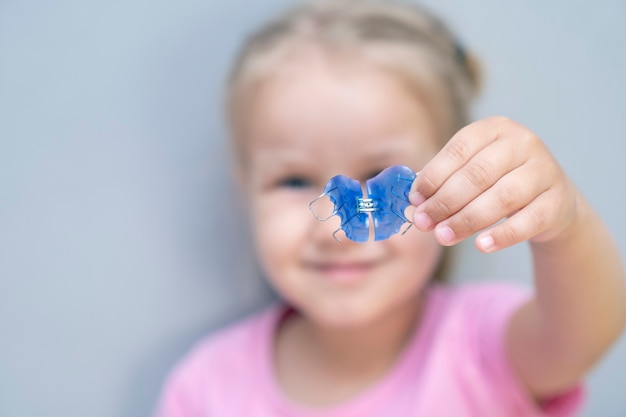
345 273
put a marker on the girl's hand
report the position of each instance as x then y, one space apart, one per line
492 169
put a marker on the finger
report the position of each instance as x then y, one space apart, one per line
523 225
511 193
466 143
479 174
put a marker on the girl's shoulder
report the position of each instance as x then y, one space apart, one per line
234 342
199 377
481 293
475 311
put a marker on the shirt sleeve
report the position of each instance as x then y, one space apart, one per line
494 306
177 398
187 390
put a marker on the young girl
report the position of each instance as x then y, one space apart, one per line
364 329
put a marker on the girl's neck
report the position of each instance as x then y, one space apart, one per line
378 342
310 357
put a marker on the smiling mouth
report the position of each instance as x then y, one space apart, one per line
345 273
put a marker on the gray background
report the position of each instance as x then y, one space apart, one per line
121 241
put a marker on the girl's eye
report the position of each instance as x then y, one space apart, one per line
294 182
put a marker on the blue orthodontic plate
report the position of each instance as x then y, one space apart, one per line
389 194
344 192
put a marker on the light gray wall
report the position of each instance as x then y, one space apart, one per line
120 239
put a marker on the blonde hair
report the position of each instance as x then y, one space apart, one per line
398 37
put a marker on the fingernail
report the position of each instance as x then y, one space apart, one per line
423 221
486 243
416 198
445 234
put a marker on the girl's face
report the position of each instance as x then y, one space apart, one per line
312 120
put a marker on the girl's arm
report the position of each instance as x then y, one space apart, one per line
496 169
579 308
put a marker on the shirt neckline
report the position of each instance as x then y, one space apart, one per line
407 364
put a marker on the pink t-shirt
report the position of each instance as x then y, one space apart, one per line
454 366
